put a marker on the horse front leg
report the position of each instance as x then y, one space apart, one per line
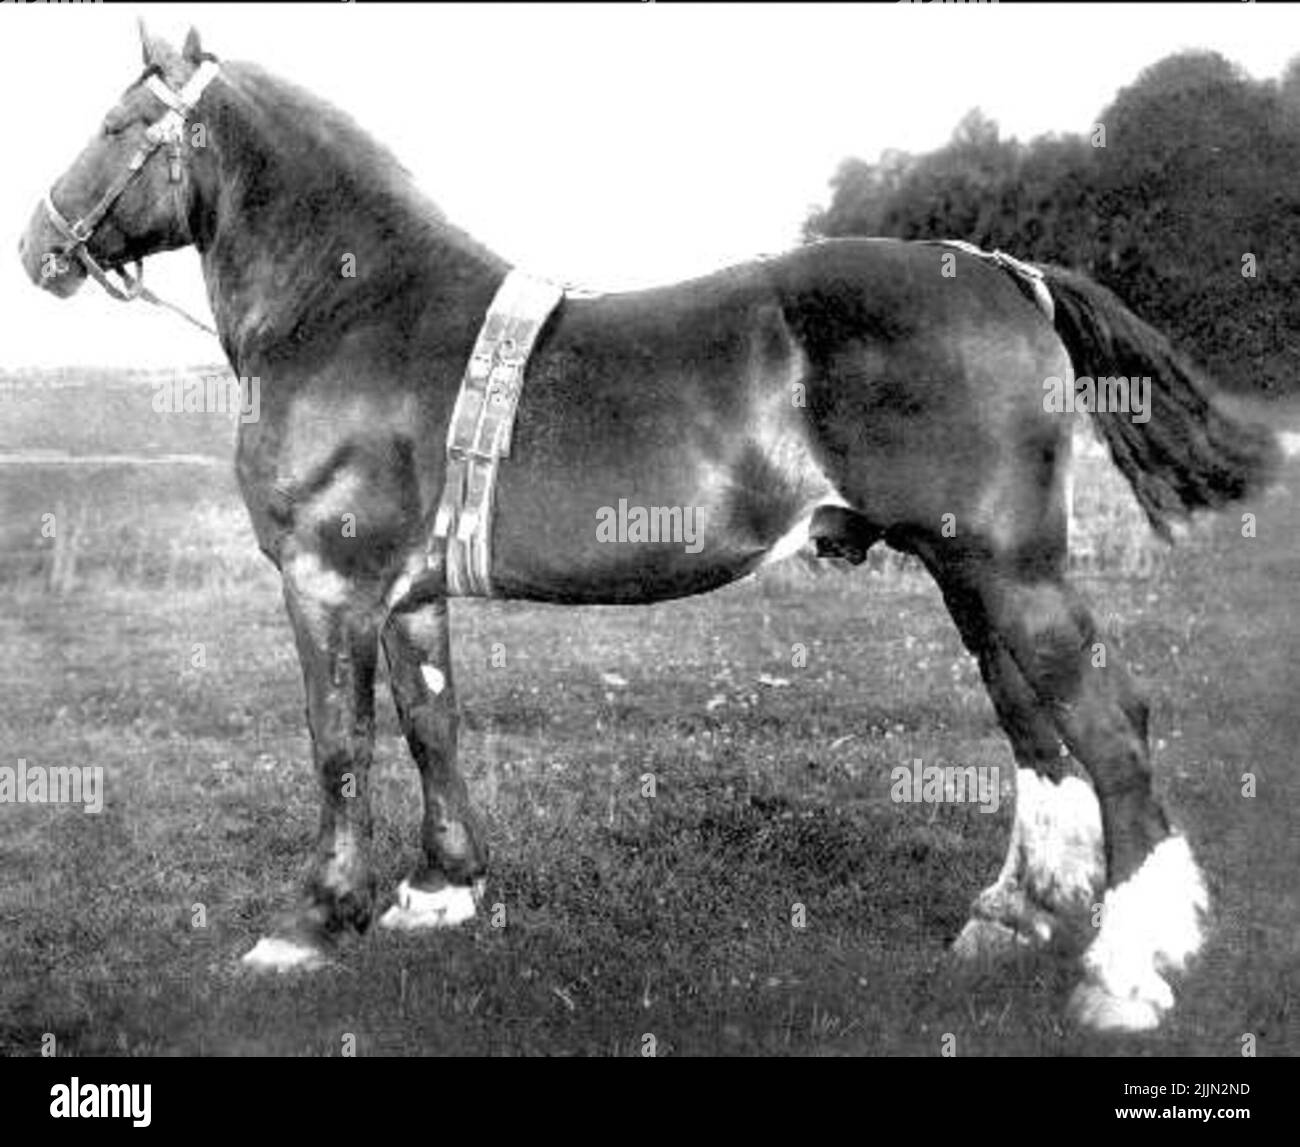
336 635
445 889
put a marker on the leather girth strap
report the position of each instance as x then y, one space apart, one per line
481 426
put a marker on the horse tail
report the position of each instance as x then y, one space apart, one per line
1188 454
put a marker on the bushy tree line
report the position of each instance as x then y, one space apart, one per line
1183 198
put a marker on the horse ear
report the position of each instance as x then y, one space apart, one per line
193 50
150 46
156 51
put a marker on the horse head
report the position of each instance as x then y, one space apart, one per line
130 193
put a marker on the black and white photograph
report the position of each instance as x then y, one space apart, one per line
651 530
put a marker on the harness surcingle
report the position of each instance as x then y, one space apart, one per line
482 423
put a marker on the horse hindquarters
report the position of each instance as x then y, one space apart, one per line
941 439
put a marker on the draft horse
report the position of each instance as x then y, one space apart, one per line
847 393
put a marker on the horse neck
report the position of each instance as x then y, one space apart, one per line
303 225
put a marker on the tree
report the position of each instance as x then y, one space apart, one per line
1200 168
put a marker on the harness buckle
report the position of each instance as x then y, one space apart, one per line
469 454
480 365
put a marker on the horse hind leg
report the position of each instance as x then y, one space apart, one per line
446 889
1151 917
1055 864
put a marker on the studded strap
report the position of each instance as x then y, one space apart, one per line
482 426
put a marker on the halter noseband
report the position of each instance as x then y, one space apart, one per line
169 130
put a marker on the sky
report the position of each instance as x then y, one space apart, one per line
612 146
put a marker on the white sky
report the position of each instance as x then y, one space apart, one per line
614 146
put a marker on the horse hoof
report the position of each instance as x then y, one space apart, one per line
984 937
1094 1007
274 954
445 907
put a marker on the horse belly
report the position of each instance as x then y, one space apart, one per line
649 532
610 541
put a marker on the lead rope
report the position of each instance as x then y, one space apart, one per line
149 297
153 297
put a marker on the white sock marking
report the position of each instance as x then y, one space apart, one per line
417 911
1060 840
1150 924
273 954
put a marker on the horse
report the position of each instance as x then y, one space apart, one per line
847 393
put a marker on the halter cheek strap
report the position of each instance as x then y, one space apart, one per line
169 130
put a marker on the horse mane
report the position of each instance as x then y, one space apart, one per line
331 130
320 175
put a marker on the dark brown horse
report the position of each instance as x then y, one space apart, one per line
848 392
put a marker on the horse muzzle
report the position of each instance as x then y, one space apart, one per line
43 256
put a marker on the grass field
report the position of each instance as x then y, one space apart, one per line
623 916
